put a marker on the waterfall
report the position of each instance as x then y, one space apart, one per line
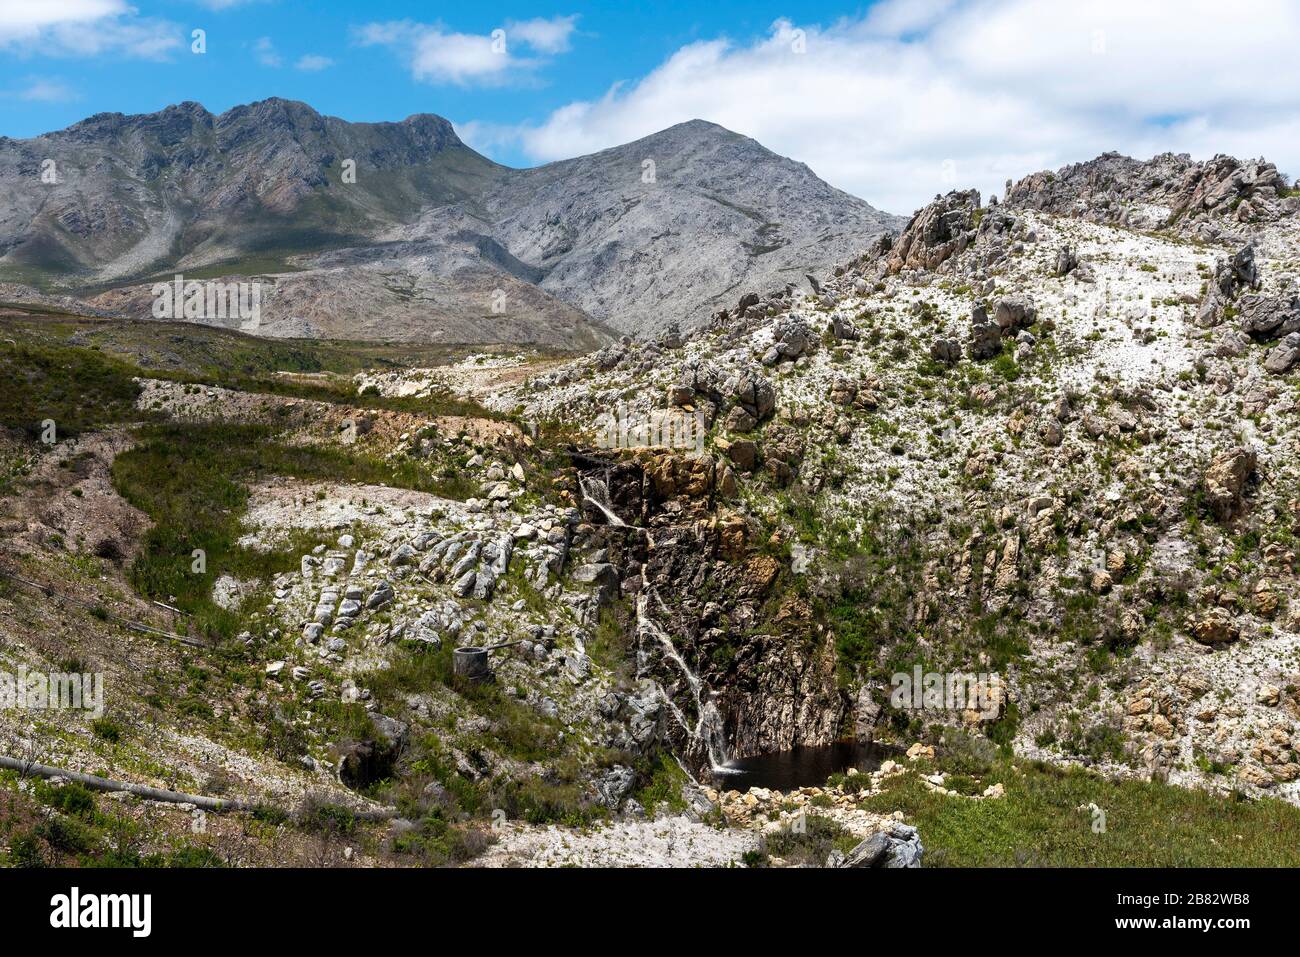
599 498
709 730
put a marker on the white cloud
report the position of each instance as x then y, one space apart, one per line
487 137
435 55
83 28
265 52
459 58
42 90
889 105
27 15
312 63
544 36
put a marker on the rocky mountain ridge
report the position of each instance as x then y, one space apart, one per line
1202 200
399 231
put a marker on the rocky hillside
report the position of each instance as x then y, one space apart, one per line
183 188
722 215
1048 438
1036 438
428 241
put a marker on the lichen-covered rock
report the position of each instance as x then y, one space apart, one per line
1225 481
1215 627
937 232
1282 357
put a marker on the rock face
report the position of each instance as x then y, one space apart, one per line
401 231
710 589
937 232
1117 475
898 847
1169 190
1225 481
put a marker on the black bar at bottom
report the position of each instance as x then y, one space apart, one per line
219 907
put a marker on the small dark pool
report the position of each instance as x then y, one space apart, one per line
803 767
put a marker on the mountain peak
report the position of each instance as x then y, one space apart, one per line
277 186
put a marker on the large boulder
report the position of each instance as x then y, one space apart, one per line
1225 481
1231 276
1269 317
404 554
1239 272
615 786
1012 315
1215 627
843 329
755 394
985 341
366 761
603 576
941 230
380 597
793 337
609 357
1284 355
744 454
897 847
947 351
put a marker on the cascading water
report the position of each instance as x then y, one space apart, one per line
709 730
597 493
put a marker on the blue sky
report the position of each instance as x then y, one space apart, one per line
255 49
893 100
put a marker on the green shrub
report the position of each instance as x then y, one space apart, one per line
107 730
812 844
78 389
665 780
72 798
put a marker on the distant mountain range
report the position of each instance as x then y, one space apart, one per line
400 231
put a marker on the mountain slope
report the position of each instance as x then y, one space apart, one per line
431 239
722 215
140 193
